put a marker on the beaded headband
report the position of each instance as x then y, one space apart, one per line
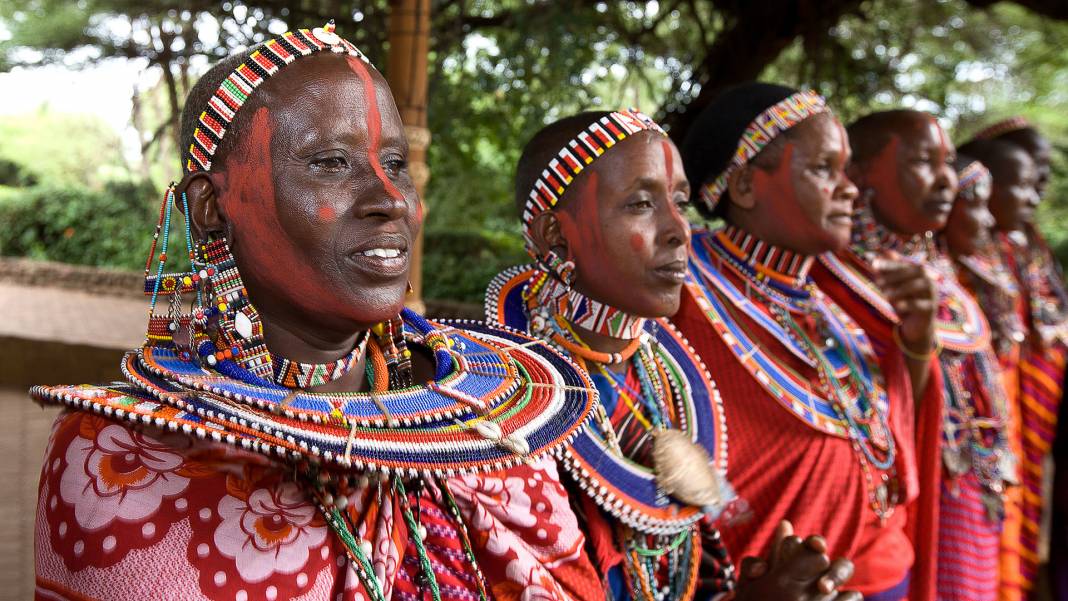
760 132
588 145
974 177
235 90
1002 127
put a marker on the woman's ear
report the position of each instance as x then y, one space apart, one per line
200 195
546 235
740 187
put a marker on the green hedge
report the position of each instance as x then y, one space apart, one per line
458 264
108 227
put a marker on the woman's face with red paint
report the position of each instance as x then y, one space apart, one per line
913 179
1015 198
968 230
321 210
805 202
625 230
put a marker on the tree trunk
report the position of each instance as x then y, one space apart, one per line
409 42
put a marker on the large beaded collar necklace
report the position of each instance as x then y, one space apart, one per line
1043 283
682 411
973 442
995 287
849 402
624 488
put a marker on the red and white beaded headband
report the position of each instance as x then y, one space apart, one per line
973 178
588 145
1002 127
235 90
768 125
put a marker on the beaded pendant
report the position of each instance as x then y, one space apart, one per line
624 488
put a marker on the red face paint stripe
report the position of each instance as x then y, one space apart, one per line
374 125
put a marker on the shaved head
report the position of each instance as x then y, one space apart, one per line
1001 157
869 135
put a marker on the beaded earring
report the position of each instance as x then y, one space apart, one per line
228 331
563 269
542 313
396 358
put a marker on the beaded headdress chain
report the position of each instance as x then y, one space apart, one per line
554 295
760 132
974 181
235 90
1002 127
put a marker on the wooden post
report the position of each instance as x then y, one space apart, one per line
409 44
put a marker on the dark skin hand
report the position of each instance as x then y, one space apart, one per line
308 200
795 569
912 292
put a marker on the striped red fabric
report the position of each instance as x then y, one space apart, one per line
968 544
1040 395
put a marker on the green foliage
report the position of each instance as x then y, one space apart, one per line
108 227
500 69
61 149
465 261
13 174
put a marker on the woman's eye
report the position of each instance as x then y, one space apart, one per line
395 165
330 164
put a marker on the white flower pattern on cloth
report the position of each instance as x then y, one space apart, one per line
214 522
526 520
270 532
128 474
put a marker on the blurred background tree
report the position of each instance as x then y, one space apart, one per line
499 70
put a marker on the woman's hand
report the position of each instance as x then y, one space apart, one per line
795 570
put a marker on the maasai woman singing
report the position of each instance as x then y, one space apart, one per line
287 431
821 430
1019 158
602 197
968 239
903 162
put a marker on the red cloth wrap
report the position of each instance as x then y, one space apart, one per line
784 468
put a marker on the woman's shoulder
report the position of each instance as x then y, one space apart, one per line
209 519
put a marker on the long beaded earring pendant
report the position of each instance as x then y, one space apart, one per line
389 337
172 329
237 339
